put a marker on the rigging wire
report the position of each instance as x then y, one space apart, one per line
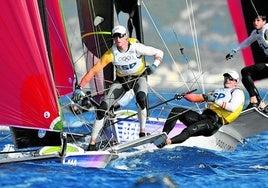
164 43
187 60
4 138
195 41
254 7
194 37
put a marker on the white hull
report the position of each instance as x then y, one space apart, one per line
75 156
249 123
89 159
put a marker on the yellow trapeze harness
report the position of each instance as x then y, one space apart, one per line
227 116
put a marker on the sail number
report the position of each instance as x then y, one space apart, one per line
72 162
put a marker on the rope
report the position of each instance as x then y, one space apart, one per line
164 43
254 7
194 37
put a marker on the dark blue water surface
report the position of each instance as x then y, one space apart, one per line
177 167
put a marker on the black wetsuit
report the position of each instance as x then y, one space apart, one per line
205 124
252 73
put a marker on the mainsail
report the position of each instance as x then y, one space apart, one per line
61 56
28 97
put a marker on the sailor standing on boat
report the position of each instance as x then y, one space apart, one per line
257 71
224 106
127 56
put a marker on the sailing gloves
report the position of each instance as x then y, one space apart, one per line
78 94
230 55
151 69
208 98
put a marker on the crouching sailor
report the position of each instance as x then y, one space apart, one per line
224 106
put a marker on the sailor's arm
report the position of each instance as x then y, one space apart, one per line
104 60
247 42
158 54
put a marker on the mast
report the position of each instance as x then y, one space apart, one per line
96 22
42 11
133 9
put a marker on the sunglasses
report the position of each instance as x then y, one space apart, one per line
230 78
118 35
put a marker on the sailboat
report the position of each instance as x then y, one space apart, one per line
226 139
34 50
32 38
229 137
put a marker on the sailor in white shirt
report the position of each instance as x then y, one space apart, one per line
259 70
127 56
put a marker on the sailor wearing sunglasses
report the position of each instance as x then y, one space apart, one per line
223 107
127 56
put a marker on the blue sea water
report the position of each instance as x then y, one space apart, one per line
178 167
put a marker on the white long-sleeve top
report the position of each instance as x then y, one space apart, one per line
261 36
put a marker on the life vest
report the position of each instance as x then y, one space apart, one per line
225 94
127 63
